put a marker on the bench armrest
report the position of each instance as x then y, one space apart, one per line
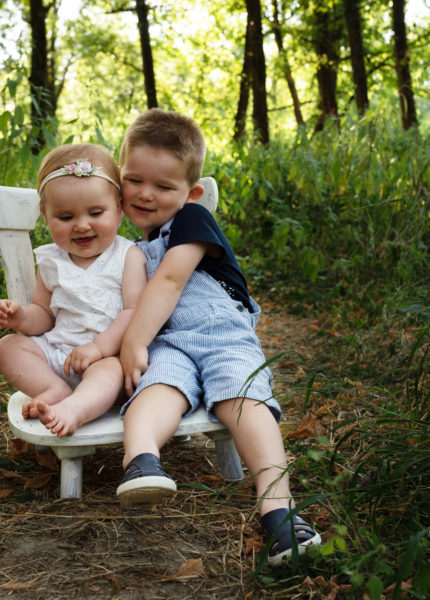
19 210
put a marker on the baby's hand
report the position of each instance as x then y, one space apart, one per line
10 314
82 357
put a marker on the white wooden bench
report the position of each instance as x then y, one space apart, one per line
19 211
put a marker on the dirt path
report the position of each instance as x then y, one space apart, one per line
201 545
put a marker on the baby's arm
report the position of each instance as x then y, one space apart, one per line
108 343
156 304
33 319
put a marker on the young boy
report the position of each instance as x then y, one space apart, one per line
195 320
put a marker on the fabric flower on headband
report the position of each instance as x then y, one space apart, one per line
80 168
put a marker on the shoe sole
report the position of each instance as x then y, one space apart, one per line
278 559
145 490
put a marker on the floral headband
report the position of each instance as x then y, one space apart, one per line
79 168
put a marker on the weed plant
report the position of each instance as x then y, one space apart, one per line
342 215
370 473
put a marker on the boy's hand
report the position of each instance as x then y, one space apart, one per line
134 361
10 314
82 357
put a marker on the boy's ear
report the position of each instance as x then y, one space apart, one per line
195 193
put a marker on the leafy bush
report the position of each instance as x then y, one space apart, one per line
331 215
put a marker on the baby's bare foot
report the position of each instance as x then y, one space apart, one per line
29 410
56 419
51 396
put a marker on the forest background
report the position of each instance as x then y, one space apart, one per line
317 120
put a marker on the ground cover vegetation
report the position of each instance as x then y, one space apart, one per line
330 222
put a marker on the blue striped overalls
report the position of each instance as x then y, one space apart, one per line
208 347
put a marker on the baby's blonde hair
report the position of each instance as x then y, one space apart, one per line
170 131
69 153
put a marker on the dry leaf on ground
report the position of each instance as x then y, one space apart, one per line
190 569
308 427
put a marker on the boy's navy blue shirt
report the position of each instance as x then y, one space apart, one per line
194 223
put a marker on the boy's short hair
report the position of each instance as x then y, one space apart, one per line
64 155
170 131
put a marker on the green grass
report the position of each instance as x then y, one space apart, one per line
367 475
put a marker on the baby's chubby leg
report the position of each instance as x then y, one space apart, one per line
23 363
100 386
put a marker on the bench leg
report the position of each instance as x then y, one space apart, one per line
71 478
228 457
71 469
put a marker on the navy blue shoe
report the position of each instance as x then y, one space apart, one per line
144 482
276 522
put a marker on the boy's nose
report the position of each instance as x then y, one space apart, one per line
146 192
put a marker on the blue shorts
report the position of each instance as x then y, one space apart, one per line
217 357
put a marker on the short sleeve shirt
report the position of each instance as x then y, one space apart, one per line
194 223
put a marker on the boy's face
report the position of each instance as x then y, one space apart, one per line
154 187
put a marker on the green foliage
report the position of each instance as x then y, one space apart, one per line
370 473
340 214
197 49
17 165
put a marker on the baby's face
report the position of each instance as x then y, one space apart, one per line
83 215
154 187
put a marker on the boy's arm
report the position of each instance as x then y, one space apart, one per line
35 318
156 304
108 342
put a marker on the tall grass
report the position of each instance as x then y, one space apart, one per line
370 473
334 215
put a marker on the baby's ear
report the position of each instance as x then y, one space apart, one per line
195 193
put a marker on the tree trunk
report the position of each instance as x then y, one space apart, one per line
43 104
277 32
353 25
257 70
242 106
401 55
326 40
145 44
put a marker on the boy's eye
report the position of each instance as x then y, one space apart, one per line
164 187
65 217
96 213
